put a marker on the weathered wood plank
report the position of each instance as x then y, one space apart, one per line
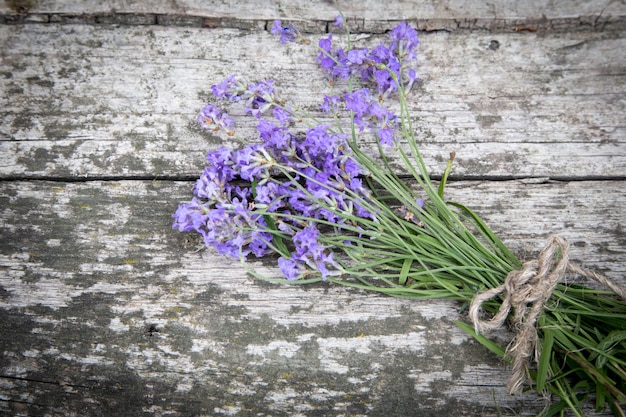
107 310
120 101
366 15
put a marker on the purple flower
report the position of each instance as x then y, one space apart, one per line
332 167
289 268
326 44
310 252
385 136
269 194
208 186
412 78
325 57
290 177
234 230
319 142
282 115
404 41
258 245
358 101
299 202
364 213
384 81
229 89
352 168
252 163
357 56
330 104
306 242
287 33
260 97
375 66
191 216
342 68
212 118
339 21
276 138
221 160
356 185
381 54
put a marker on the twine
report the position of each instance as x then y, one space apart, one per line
526 291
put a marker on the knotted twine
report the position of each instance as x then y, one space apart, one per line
526 291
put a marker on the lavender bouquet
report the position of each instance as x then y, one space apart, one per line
306 194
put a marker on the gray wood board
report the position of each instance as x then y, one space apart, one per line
370 15
107 310
100 101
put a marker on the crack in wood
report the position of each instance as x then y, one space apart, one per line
495 25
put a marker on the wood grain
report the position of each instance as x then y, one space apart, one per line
122 101
365 16
106 310
104 304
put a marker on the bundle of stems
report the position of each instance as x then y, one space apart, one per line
450 253
416 244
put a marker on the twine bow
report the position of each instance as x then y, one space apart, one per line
526 291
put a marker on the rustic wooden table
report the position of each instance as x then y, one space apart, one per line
106 311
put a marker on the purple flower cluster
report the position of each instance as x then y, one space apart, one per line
368 113
212 118
308 256
380 67
247 197
254 199
258 98
379 70
287 33
223 212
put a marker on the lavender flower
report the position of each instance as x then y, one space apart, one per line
229 89
212 118
309 252
252 163
339 21
370 114
258 97
226 214
274 196
331 104
282 116
378 66
191 216
287 33
325 56
404 41
291 269
385 136
281 188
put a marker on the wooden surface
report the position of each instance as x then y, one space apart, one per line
107 311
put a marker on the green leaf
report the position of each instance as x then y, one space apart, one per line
278 241
599 376
600 397
489 344
606 345
493 240
404 272
444 178
543 368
